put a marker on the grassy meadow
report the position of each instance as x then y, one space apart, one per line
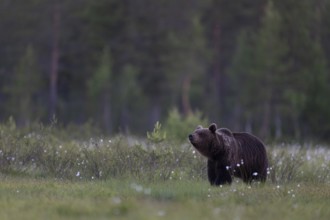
26 198
51 173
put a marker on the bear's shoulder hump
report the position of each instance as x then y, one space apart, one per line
225 131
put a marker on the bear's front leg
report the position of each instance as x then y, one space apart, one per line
211 171
223 175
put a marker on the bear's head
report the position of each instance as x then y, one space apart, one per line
211 142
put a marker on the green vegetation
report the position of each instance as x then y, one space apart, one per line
157 135
178 126
25 198
56 173
111 70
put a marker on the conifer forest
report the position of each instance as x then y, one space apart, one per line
261 66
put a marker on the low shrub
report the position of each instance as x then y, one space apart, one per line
43 152
296 163
48 152
178 127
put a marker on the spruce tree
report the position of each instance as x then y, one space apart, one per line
243 81
306 63
24 90
271 70
99 89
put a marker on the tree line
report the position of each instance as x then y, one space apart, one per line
260 66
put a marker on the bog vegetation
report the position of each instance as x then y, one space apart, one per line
76 173
117 67
79 154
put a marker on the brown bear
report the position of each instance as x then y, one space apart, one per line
230 154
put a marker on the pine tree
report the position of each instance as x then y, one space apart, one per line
224 20
99 88
271 70
24 90
187 62
258 71
305 58
127 91
316 113
241 75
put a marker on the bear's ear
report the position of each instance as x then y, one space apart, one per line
199 127
213 127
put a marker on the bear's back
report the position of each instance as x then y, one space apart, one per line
248 139
253 153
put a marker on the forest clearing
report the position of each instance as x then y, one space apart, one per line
47 174
97 99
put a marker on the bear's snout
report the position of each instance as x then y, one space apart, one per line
191 137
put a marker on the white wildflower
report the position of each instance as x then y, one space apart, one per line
116 200
161 213
147 191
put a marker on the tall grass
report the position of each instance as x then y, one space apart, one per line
299 163
45 151
51 152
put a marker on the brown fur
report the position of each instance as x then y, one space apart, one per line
230 154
